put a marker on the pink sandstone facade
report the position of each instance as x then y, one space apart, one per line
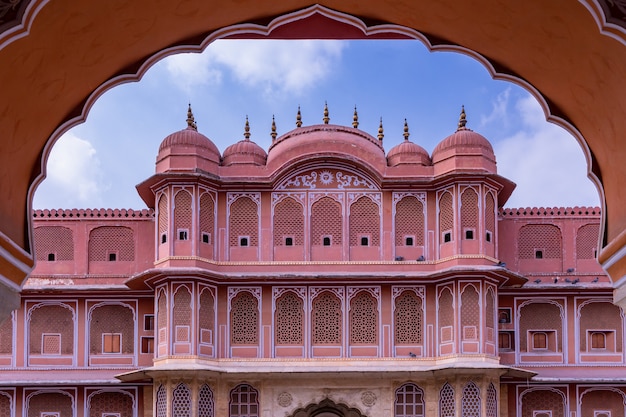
324 278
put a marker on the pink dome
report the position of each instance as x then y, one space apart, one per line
187 150
244 152
407 152
190 138
463 142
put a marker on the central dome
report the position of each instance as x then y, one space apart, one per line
327 141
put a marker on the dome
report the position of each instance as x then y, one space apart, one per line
245 151
190 138
463 142
187 149
327 141
407 152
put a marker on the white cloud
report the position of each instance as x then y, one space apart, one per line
274 66
499 109
189 71
74 176
545 161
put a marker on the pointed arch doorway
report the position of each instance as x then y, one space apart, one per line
327 408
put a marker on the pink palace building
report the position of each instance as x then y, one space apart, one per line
322 278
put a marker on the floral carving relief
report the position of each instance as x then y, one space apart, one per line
327 178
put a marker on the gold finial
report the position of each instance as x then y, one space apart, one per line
326 118
462 119
406 130
246 133
273 128
355 119
380 130
191 122
299 118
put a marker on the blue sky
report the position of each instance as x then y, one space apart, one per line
98 163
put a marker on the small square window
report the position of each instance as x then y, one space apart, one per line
182 235
540 341
243 241
408 241
206 238
488 236
538 254
288 241
164 238
111 343
112 257
447 237
147 345
326 241
505 341
365 241
598 340
469 234
148 322
504 315
51 257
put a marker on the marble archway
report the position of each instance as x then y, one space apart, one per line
327 408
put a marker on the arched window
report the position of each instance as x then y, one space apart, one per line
364 222
244 402
447 406
363 319
470 403
161 402
182 215
408 319
289 320
409 222
446 218
288 223
492 401
206 407
244 319
326 319
409 401
181 401
469 213
326 222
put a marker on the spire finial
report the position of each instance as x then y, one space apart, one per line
246 133
299 118
406 130
355 119
273 134
380 130
326 118
462 119
191 122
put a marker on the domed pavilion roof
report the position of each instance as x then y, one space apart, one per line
190 148
245 151
463 142
407 152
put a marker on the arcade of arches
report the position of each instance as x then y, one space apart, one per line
58 56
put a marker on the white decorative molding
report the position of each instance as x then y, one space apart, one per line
327 179
278 291
376 197
375 291
418 290
233 291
